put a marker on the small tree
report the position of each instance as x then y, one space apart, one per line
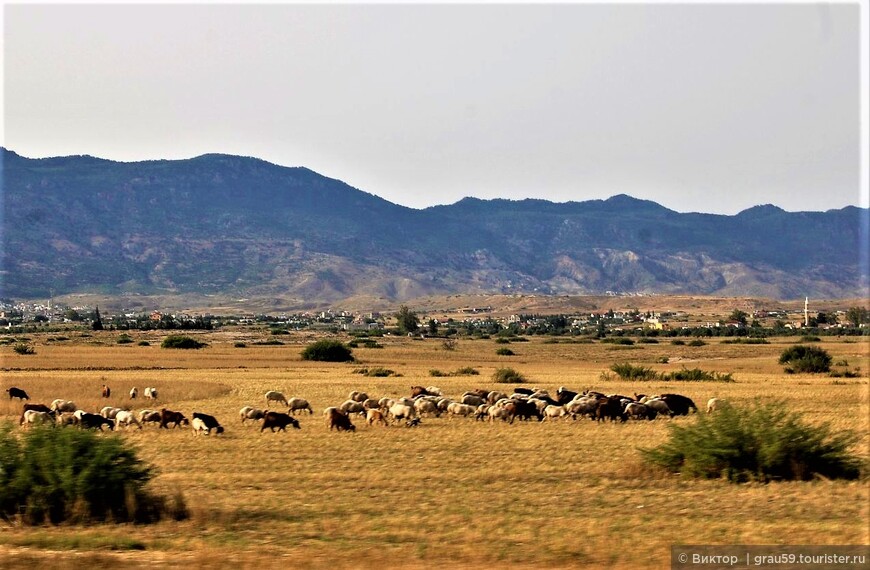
327 350
802 358
408 320
97 325
857 316
738 316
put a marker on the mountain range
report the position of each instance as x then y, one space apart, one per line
241 227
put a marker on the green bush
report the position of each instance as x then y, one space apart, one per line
23 348
143 343
508 376
764 443
618 340
628 371
364 343
239 344
502 340
269 342
376 372
467 371
678 342
697 375
697 342
54 475
328 351
124 339
181 341
810 338
801 358
504 351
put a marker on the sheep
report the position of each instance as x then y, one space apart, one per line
149 416
371 404
434 390
251 413
352 407
296 404
65 420
134 391
34 418
109 412
385 403
640 411
472 400
63 406
442 404
402 412
425 406
714 404
358 396
582 406
151 393
553 412
660 406
125 418
495 396
458 409
273 396
375 417
499 412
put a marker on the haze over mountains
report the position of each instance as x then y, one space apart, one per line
242 227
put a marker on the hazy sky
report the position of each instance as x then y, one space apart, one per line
700 107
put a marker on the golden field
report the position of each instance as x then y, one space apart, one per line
451 493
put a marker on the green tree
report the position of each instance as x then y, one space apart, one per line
802 358
408 320
97 325
738 316
433 327
857 316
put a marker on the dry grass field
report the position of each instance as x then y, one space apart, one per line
450 493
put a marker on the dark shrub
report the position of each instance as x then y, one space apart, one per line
765 442
801 358
508 376
328 351
23 348
504 351
55 475
697 342
181 341
628 371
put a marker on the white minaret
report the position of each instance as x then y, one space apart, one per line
807 312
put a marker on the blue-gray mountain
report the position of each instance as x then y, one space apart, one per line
220 224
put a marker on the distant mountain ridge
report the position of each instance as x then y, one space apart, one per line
229 225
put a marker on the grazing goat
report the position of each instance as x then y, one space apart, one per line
170 417
278 420
151 393
106 391
17 393
337 419
210 422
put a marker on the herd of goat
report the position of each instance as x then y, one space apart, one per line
523 404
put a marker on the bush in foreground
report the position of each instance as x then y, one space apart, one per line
763 443
56 475
181 341
328 351
801 358
508 376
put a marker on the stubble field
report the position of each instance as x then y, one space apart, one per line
449 493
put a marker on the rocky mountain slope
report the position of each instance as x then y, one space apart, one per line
241 227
